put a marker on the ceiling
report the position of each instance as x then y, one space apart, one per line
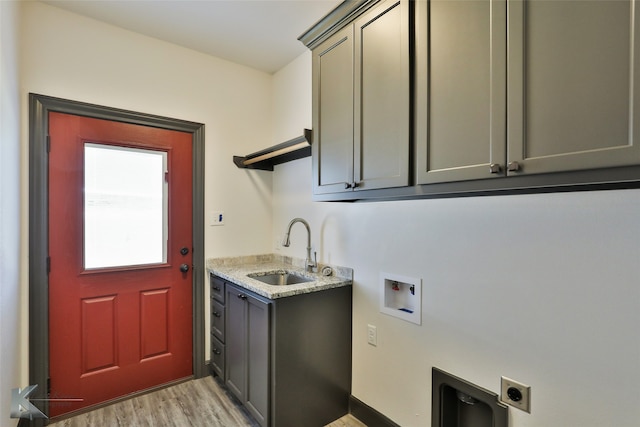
261 34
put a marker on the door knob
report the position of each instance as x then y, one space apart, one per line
184 268
184 251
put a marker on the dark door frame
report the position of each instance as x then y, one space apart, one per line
39 108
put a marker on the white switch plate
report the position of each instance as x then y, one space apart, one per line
216 218
372 335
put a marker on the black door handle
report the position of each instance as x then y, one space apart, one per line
184 268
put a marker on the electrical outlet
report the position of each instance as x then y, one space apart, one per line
515 394
372 335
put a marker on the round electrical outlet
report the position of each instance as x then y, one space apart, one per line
514 394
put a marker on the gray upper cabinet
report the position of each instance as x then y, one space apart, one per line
567 103
361 103
381 149
474 97
573 84
460 55
332 148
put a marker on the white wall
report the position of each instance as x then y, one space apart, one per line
9 207
292 99
69 56
540 288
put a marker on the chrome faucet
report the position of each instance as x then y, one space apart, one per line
310 265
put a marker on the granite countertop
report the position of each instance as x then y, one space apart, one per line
236 269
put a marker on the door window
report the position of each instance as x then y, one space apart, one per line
125 206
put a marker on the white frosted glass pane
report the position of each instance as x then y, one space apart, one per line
125 207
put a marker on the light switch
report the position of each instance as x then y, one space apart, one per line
216 218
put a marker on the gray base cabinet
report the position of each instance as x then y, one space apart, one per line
247 346
288 360
217 325
311 353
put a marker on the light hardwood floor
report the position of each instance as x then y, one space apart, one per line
199 402
347 421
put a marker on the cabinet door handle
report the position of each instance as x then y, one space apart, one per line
513 166
217 289
242 296
495 168
355 185
216 314
216 351
347 185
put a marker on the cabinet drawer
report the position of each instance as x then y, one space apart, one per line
217 356
217 320
217 288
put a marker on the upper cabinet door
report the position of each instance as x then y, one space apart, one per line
573 85
382 97
332 148
460 62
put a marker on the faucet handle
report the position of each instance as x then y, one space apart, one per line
311 264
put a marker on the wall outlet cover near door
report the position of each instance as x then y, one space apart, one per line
216 218
372 335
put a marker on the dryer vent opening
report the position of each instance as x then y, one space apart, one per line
459 403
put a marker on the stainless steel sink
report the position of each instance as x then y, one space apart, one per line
279 278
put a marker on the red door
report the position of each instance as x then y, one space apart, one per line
120 243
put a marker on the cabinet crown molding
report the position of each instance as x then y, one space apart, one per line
342 15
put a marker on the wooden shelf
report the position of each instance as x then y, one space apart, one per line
293 149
